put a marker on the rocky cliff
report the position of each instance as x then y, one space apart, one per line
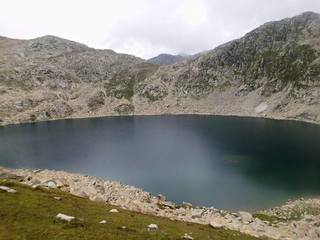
273 71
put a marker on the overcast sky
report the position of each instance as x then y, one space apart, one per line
145 28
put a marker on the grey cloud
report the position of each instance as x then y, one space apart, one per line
146 27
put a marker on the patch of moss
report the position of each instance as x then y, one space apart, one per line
30 214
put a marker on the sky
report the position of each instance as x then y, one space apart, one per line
145 28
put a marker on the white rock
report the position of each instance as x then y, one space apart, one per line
114 210
7 189
65 217
215 225
152 227
35 186
37 171
246 217
187 237
103 222
51 184
57 198
161 197
186 204
261 107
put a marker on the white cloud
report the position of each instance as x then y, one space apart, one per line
144 27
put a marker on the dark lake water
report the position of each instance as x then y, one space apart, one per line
225 162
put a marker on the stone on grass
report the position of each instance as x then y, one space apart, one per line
152 227
103 222
114 210
187 237
7 189
36 186
51 184
215 225
57 198
65 217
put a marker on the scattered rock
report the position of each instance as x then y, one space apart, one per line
186 204
152 227
50 184
131 198
103 222
154 92
57 198
7 189
28 178
65 217
161 198
36 186
187 237
215 225
246 217
114 210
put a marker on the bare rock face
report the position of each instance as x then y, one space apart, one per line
96 101
124 109
277 63
154 92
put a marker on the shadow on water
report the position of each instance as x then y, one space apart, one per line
227 162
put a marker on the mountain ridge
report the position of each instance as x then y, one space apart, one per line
273 71
168 59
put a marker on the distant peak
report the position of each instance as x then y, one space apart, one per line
51 37
310 14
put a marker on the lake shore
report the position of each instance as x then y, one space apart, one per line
297 219
79 117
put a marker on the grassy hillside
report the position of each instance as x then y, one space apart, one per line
30 214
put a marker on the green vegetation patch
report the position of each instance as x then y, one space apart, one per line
30 214
265 217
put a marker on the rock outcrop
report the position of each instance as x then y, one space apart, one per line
273 72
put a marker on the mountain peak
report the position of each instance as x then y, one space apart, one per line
167 59
309 14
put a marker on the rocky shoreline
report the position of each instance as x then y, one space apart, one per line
276 118
299 219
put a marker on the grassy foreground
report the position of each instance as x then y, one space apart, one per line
30 214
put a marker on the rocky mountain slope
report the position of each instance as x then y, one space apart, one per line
167 59
273 71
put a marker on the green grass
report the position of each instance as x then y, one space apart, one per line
30 214
265 217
